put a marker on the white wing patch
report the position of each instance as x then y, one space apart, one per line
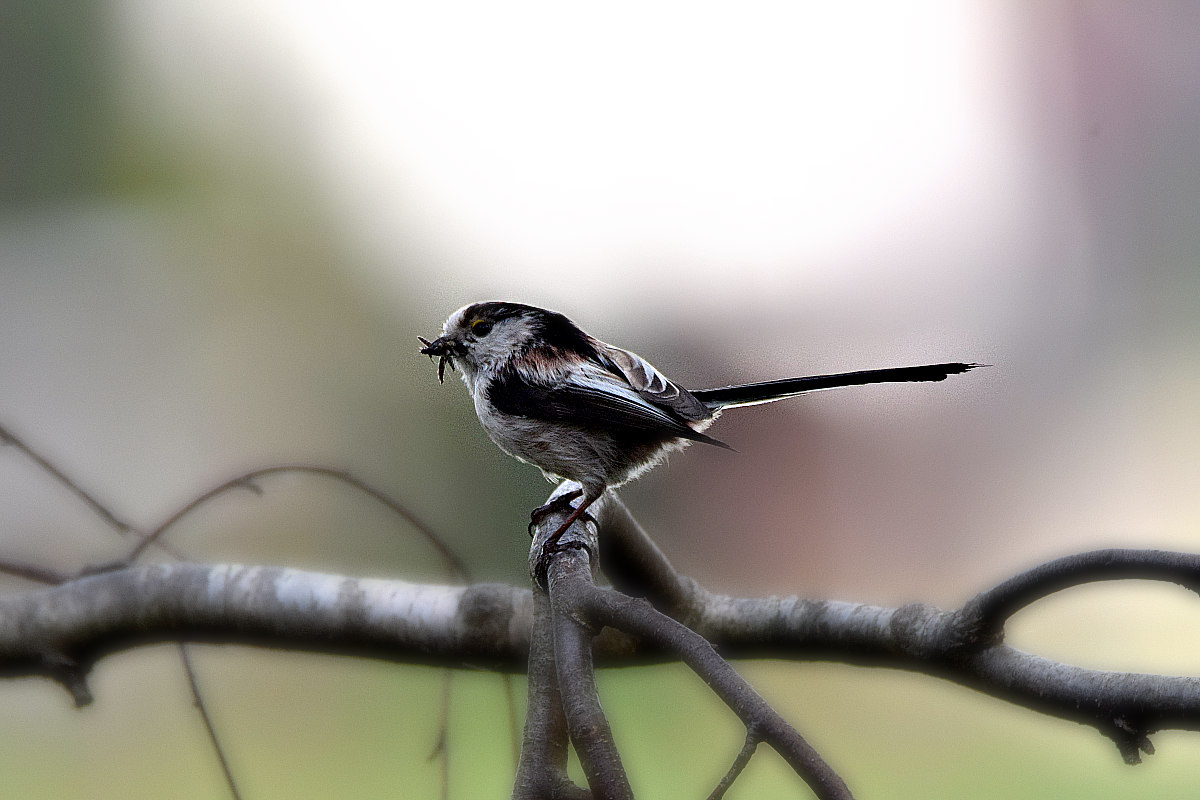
595 378
647 381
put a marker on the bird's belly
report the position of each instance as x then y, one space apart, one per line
593 457
558 450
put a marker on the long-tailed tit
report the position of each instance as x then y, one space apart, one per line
552 396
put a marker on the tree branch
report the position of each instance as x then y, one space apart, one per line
61 630
590 732
761 720
988 611
77 622
579 609
567 568
542 767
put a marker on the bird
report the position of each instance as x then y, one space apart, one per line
578 408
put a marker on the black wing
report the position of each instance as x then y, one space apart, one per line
648 382
591 398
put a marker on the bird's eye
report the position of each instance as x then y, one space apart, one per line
481 327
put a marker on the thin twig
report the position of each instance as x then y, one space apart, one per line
441 747
990 610
202 709
454 564
121 526
609 607
35 573
7 437
739 764
248 481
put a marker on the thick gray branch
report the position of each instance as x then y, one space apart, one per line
485 625
58 631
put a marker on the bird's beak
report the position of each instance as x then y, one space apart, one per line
442 347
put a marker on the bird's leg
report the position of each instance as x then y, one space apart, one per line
560 503
551 542
550 545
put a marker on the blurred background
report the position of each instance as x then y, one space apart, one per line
223 224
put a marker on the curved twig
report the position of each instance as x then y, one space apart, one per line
72 676
985 615
247 480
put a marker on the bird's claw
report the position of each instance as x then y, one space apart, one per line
560 503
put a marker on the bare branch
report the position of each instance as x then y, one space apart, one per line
639 618
202 709
926 639
590 732
8 438
60 631
987 612
579 607
248 480
488 626
635 564
739 764
542 767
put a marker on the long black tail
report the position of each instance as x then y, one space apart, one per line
753 393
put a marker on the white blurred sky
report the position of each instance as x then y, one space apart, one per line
774 189
607 155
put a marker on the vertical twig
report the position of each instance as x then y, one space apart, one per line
202 709
566 563
514 726
542 764
7 437
441 747
590 732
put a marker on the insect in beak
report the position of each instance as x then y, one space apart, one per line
441 348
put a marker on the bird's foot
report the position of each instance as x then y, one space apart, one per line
552 544
560 503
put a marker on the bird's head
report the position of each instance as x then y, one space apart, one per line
486 335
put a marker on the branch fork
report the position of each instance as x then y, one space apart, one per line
575 609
